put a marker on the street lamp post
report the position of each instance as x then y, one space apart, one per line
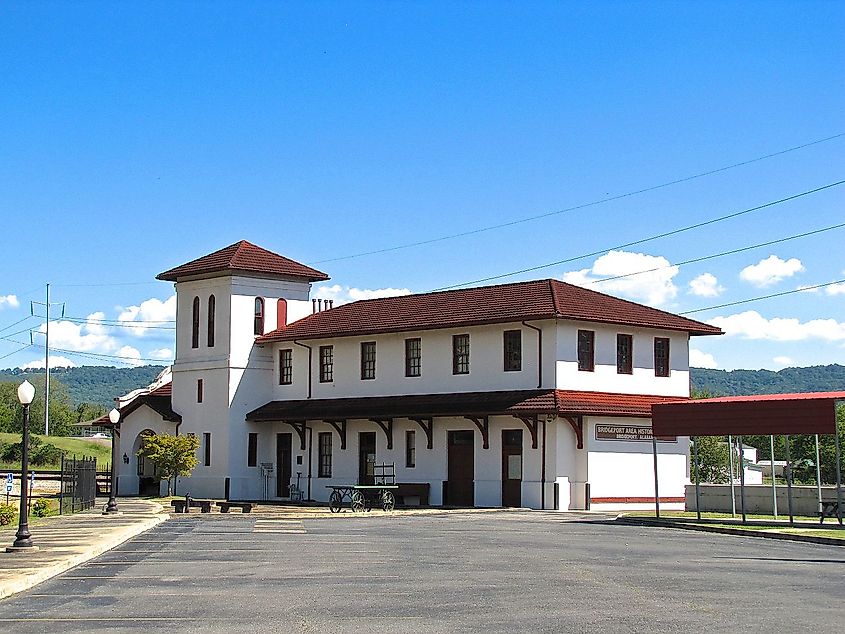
23 538
114 418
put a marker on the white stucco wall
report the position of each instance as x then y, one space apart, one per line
486 364
605 377
625 469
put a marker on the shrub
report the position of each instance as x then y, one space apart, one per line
7 514
46 454
41 508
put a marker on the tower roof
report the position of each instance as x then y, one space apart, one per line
243 257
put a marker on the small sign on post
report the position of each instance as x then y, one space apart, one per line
31 486
10 478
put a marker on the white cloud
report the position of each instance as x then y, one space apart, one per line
55 362
165 354
836 289
653 287
85 337
162 313
706 285
752 325
130 355
9 301
345 294
784 361
699 359
771 270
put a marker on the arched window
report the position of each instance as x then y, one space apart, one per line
211 306
281 313
195 324
259 316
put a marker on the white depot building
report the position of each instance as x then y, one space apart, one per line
533 394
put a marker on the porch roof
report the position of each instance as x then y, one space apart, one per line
512 402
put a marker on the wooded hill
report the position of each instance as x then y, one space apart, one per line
90 383
818 378
100 384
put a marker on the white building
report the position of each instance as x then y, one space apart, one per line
532 394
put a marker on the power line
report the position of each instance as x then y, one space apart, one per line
577 207
644 240
124 324
721 254
19 321
762 297
93 355
120 322
29 345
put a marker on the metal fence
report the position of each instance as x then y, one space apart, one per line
79 484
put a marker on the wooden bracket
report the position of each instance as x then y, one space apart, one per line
483 424
427 425
340 428
299 426
531 424
577 423
386 425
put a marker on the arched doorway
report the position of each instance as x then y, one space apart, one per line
148 482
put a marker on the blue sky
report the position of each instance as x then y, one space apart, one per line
138 136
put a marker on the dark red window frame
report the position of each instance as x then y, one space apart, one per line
624 354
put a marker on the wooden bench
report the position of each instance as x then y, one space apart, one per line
413 489
829 508
245 507
182 506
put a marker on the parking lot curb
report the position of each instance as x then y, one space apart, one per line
741 532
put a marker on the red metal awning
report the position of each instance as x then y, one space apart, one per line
778 414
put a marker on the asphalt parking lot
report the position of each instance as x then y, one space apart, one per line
492 572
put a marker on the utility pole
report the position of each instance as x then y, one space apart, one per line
46 357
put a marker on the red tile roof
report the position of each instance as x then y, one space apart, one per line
539 299
513 402
244 257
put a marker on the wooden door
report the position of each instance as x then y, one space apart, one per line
366 457
511 467
460 489
283 465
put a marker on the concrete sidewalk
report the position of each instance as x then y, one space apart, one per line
67 541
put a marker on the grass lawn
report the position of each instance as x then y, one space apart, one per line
78 446
718 516
796 530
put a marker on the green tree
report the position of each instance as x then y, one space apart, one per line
173 455
713 460
62 412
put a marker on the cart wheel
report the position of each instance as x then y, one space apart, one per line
358 501
335 502
388 502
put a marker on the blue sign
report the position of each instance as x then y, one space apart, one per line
9 479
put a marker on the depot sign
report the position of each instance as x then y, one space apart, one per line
628 432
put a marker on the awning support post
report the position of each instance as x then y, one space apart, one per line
838 478
788 472
656 489
774 485
742 479
731 465
697 480
818 476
